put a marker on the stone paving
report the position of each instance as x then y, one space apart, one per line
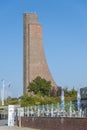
15 128
3 126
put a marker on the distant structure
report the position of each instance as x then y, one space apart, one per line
83 93
34 57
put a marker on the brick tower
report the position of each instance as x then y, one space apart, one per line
34 57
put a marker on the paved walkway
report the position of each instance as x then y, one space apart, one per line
3 126
15 128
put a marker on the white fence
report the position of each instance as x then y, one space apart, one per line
53 110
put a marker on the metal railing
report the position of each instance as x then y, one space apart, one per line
49 110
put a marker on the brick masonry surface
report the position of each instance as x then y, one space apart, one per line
34 58
54 123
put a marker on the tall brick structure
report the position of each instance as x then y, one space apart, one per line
34 57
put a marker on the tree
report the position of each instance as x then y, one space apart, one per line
40 86
70 95
27 101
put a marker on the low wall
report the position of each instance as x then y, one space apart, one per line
54 123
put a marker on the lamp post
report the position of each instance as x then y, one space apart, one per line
7 91
3 91
3 86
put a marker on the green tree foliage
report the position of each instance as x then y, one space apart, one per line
68 105
40 86
70 95
11 101
27 100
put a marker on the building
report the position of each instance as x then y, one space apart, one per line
34 58
83 92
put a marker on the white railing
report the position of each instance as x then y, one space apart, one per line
53 110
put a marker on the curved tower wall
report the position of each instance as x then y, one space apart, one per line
34 57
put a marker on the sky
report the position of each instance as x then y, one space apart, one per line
64 25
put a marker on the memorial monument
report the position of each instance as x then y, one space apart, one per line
34 58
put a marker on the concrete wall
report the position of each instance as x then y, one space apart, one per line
55 123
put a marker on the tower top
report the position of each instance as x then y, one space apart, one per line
31 18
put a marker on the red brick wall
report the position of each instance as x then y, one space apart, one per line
55 123
34 58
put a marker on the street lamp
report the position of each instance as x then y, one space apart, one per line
3 91
3 85
7 91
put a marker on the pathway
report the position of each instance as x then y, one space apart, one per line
15 128
3 126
